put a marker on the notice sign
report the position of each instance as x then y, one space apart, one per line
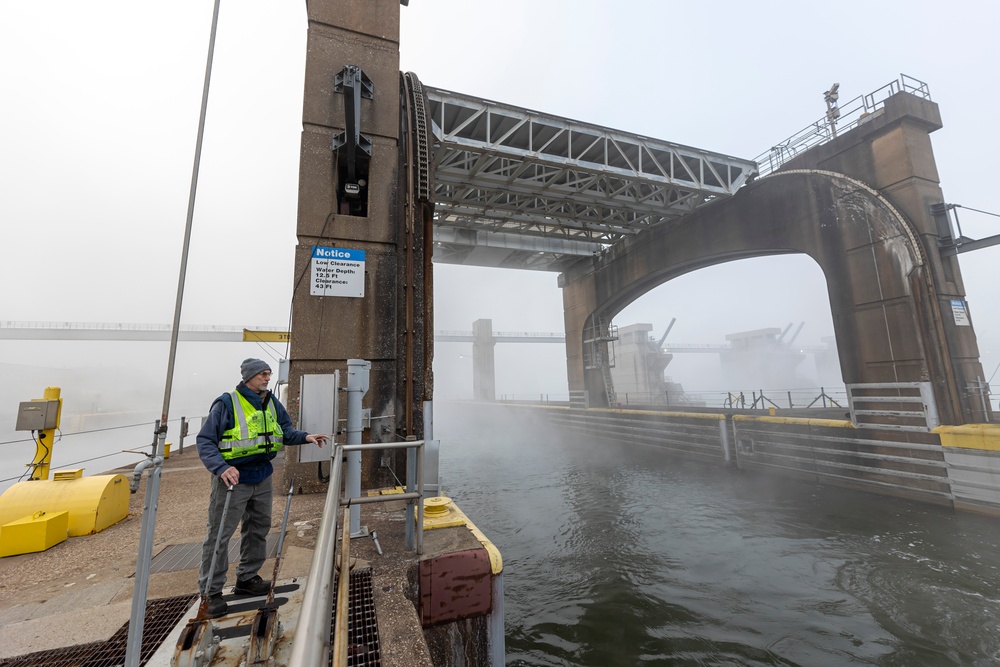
337 272
960 314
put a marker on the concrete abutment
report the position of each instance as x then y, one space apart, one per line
859 206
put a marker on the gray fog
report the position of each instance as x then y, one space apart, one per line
97 134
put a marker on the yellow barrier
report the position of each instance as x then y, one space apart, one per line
93 503
36 532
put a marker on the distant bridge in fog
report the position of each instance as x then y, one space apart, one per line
219 333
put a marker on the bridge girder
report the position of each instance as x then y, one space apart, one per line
502 173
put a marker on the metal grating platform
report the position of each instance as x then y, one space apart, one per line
363 648
188 556
161 617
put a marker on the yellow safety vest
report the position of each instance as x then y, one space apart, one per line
254 431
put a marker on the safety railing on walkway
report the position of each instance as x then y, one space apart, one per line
758 400
744 399
311 646
851 114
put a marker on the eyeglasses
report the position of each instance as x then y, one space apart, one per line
266 374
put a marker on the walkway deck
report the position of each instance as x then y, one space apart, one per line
44 596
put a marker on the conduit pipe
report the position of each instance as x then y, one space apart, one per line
133 486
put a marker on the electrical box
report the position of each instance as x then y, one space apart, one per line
319 408
37 415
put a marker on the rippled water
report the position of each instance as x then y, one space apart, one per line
623 556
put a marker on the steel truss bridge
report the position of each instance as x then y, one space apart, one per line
521 189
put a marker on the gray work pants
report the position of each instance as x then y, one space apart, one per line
251 505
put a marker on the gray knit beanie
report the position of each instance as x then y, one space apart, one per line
251 367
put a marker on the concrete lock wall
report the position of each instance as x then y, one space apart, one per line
859 206
821 451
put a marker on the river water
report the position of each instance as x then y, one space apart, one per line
615 555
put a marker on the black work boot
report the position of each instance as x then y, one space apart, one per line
216 606
252 586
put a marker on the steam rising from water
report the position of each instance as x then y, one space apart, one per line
615 555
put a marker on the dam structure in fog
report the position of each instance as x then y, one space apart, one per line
396 175
616 215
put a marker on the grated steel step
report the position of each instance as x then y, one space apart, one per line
188 556
161 617
363 648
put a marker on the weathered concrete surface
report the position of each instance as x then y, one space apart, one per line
483 361
391 325
455 589
889 288
455 583
44 596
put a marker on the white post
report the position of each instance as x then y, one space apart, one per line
357 386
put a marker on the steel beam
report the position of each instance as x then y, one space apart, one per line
512 171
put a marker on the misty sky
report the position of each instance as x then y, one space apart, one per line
100 108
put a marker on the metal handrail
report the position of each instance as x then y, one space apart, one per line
311 646
411 495
852 114
312 637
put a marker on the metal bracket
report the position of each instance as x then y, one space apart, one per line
951 244
196 645
265 631
354 84
351 74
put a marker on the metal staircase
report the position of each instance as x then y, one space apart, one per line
599 352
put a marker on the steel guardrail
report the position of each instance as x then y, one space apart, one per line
851 114
311 646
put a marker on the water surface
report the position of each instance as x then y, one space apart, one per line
617 555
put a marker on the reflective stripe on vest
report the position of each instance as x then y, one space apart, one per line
254 431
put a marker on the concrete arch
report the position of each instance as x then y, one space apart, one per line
884 299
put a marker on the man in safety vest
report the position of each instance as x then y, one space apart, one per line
244 430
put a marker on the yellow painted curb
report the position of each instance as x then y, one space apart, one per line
695 415
970 436
827 423
452 516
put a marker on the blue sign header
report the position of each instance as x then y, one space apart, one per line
343 254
